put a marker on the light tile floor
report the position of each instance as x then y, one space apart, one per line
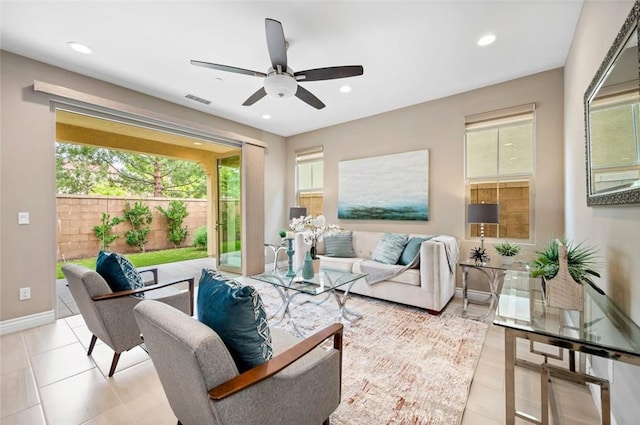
47 378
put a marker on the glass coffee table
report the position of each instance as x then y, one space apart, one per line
322 286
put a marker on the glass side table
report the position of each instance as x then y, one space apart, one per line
276 248
494 274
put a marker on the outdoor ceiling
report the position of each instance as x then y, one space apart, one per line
92 124
411 51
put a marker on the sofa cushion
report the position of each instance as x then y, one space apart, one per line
236 313
411 250
118 272
339 263
389 248
339 245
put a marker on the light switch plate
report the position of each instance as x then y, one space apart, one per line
23 218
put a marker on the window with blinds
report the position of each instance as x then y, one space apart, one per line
499 159
309 180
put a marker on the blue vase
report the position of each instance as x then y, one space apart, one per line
307 267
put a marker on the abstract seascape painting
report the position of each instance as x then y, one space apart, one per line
388 187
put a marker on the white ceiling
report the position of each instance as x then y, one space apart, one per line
412 51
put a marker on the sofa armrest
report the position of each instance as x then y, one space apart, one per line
438 262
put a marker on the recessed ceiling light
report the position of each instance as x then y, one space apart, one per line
345 89
266 116
79 47
197 143
486 40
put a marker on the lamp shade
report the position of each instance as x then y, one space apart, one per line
296 212
483 213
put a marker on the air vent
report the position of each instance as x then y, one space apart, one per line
198 99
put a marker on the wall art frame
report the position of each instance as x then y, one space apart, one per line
386 187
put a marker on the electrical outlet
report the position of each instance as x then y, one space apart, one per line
23 218
25 293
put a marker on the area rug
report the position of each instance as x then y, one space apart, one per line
401 365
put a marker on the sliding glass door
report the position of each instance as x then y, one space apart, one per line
229 214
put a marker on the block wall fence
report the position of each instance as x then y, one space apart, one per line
77 215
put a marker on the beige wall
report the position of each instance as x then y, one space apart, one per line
27 173
615 230
438 126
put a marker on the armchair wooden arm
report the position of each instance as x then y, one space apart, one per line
278 363
119 294
153 271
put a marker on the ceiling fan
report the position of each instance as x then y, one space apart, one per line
279 80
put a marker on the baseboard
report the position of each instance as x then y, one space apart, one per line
27 322
472 294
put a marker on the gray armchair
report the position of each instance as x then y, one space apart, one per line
109 315
300 385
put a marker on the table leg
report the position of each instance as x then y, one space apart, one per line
344 312
493 277
465 300
510 376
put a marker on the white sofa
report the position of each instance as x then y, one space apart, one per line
430 286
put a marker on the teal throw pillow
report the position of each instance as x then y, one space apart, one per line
390 248
411 251
236 313
119 273
339 245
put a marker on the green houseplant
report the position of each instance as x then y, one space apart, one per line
507 251
581 262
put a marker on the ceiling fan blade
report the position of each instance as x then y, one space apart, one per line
255 97
329 73
276 44
309 98
227 68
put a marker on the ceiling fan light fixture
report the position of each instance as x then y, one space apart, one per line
280 85
345 89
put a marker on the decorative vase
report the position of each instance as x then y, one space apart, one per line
316 265
507 260
562 291
307 267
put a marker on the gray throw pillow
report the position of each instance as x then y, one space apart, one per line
390 248
339 245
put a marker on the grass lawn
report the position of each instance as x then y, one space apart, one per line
144 259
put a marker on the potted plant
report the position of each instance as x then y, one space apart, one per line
507 251
563 264
314 230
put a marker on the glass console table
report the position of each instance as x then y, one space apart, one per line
601 329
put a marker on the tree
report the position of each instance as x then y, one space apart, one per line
103 230
145 175
91 170
175 215
78 169
140 218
